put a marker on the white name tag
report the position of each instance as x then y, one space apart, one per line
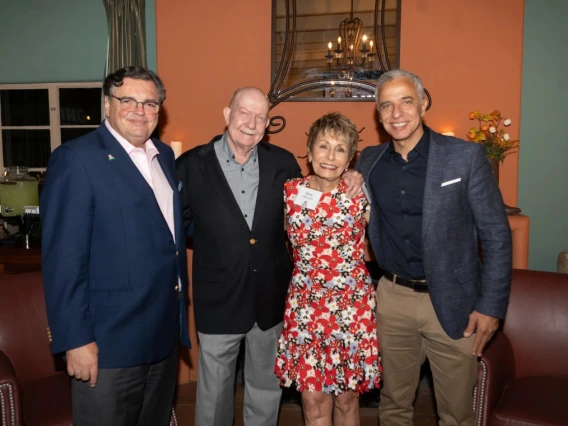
307 198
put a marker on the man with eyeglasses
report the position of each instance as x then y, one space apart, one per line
114 260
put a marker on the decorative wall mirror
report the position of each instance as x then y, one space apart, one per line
332 50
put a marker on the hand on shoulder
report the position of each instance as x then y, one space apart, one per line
354 181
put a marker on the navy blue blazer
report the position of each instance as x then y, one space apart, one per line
240 275
110 265
455 218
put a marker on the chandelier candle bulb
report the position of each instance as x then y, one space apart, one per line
176 147
353 60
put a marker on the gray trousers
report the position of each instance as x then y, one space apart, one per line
216 380
132 396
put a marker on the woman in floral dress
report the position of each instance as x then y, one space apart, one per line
328 348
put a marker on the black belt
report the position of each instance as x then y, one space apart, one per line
419 286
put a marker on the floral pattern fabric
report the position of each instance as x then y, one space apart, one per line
328 341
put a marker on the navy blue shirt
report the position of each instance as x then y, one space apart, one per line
398 189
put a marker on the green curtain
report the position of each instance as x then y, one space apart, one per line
126 22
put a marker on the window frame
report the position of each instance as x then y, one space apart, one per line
55 125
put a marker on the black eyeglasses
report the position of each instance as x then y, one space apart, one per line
129 105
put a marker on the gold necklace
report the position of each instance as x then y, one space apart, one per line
315 182
316 185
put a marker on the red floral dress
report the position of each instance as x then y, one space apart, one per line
328 341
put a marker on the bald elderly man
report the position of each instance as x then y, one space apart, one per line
232 194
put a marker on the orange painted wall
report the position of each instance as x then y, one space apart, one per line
468 54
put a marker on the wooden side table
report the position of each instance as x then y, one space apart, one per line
520 226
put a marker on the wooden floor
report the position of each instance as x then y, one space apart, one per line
291 412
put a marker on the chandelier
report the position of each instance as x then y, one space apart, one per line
353 52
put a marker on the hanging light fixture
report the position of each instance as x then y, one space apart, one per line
352 51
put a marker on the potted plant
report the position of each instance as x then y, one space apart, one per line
497 143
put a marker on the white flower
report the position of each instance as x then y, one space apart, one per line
506 136
492 129
507 122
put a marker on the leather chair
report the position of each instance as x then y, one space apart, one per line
523 373
35 389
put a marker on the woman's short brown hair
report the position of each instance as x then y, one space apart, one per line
338 126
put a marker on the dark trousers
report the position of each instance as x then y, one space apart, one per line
132 396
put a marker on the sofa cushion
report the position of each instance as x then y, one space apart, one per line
531 401
48 398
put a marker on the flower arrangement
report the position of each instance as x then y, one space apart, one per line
498 144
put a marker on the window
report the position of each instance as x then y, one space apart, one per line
37 118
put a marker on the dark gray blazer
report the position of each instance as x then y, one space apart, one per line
455 218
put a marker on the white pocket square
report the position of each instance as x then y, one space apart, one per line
449 182
179 186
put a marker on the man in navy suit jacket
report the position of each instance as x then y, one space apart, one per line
114 260
433 200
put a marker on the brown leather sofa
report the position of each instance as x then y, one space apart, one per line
523 373
35 389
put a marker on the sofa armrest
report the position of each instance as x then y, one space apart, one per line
496 369
10 398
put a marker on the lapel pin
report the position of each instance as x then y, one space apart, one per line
110 158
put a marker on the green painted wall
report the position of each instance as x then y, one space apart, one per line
543 163
59 40
151 35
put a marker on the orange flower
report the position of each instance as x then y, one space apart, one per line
497 144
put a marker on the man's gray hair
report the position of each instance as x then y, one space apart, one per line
392 74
